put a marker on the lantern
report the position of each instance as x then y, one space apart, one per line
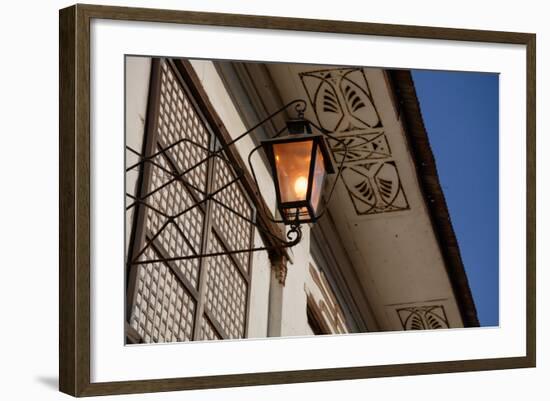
299 164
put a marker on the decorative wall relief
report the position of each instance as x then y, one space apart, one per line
374 187
343 104
423 317
341 99
372 146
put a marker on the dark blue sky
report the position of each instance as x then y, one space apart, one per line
460 111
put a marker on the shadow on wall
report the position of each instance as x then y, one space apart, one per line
49 381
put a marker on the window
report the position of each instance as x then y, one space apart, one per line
315 320
169 298
324 311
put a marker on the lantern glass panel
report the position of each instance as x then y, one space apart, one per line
292 162
319 174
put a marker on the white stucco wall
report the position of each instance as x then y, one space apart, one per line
138 71
294 301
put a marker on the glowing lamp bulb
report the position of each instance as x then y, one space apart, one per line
300 187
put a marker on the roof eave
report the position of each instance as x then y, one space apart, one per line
419 145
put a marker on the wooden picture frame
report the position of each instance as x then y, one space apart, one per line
75 206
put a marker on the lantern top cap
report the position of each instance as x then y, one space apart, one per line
298 126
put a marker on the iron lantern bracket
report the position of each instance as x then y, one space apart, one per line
293 235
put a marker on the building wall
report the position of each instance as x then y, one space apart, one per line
286 303
394 271
137 73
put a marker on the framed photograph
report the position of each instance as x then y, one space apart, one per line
250 200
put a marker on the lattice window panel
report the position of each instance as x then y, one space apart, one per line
163 309
233 228
226 292
179 238
178 120
198 298
208 332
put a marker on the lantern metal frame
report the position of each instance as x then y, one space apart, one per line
294 233
318 143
